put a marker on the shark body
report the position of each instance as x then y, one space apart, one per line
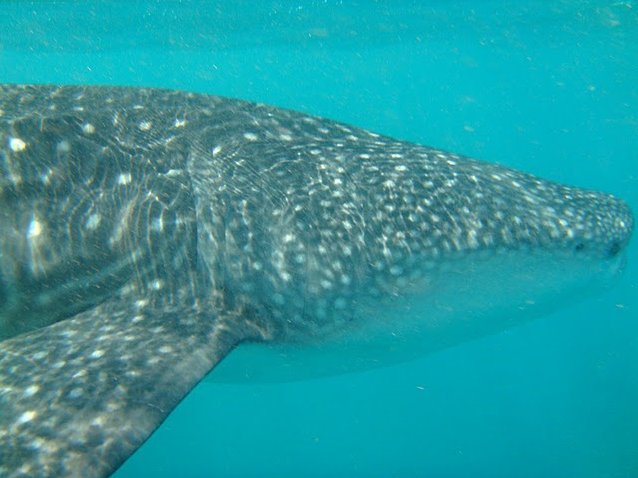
145 233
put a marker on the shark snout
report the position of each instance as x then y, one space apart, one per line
605 226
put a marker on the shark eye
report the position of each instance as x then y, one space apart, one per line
614 249
579 247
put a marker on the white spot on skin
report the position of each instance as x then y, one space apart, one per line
145 125
88 128
472 240
93 222
326 284
75 393
180 123
97 353
217 150
35 229
35 444
81 373
59 364
17 145
158 224
124 178
250 136
388 183
27 417
46 177
31 390
63 147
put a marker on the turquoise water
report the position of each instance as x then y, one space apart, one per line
548 87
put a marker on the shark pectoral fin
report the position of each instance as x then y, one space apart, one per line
79 397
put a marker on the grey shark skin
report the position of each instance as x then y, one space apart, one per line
144 233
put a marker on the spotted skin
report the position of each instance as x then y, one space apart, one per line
79 396
144 233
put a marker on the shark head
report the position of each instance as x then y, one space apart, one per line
392 251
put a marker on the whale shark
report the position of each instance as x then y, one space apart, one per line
147 233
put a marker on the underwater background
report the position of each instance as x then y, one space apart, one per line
549 87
